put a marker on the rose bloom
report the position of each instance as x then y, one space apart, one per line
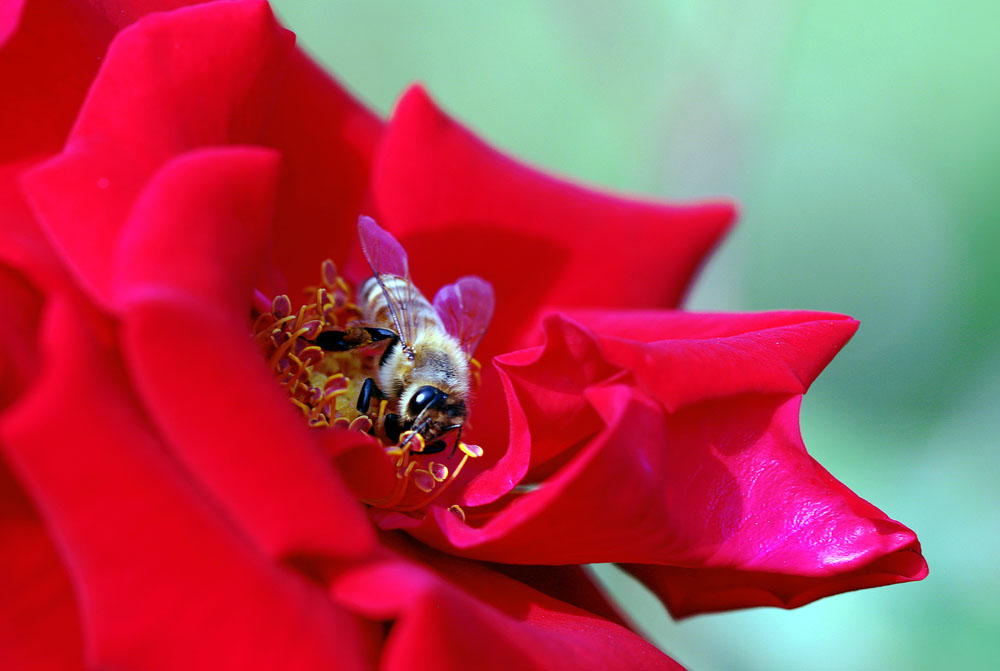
177 489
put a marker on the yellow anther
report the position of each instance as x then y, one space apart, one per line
413 440
361 423
424 481
473 451
438 471
457 510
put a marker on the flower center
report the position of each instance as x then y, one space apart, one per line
324 386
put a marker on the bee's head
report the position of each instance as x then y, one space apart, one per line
432 412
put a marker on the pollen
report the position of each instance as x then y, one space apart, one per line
324 387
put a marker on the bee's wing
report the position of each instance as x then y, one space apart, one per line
387 259
466 308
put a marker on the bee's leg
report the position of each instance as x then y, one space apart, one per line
458 439
435 447
392 427
368 391
353 338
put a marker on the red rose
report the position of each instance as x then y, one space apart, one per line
167 507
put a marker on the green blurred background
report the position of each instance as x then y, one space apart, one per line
862 140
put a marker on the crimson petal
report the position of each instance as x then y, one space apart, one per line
172 82
39 625
327 142
20 307
776 528
185 334
166 582
693 591
23 243
707 474
462 208
682 358
463 615
51 52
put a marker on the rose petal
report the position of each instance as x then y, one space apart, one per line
605 502
121 13
172 82
369 473
682 358
693 591
571 584
39 625
447 195
544 394
186 337
20 306
327 142
462 615
10 16
51 52
167 581
23 243
722 481
724 485
678 357
200 229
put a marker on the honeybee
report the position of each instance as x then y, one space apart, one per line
424 370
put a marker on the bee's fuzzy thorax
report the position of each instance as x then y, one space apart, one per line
438 362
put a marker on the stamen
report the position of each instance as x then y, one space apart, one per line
424 481
438 471
362 424
324 387
281 306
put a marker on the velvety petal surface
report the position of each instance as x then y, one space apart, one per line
462 615
693 591
171 82
223 73
166 581
680 451
39 625
461 208
10 16
327 142
51 53
20 307
679 358
23 243
186 269
682 358
571 584
121 13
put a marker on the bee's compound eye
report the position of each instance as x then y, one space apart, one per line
425 396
